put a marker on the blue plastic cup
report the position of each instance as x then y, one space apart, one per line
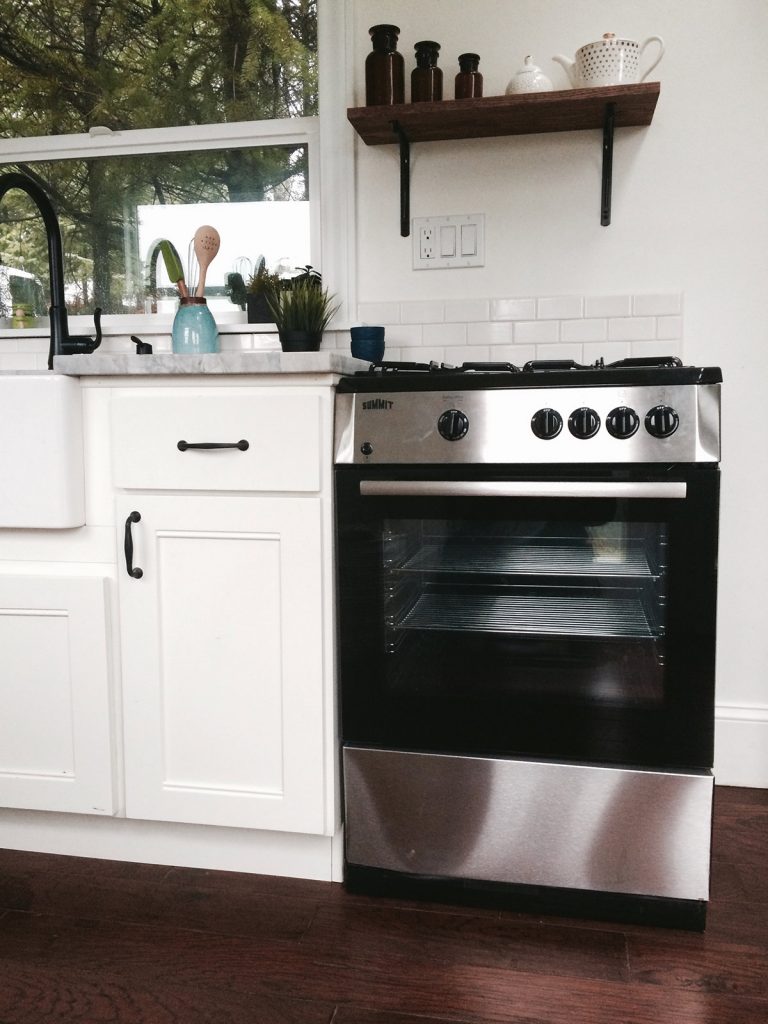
367 343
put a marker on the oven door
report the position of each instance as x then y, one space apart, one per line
553 612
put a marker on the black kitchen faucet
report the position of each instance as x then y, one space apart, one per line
61 342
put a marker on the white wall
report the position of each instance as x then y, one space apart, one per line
690 217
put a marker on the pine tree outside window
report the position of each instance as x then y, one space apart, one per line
146 118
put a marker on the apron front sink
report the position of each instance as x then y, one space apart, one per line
42 483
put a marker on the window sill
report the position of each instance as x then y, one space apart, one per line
120 327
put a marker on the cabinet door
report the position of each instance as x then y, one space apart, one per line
222 658
55 739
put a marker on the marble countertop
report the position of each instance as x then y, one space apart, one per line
105 364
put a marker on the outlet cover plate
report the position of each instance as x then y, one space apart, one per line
440 243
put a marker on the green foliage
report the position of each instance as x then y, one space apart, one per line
68 66
302 304
262 281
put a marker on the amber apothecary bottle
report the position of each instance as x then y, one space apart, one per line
426 77
384 68
469 81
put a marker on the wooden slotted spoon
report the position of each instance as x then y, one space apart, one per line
206 244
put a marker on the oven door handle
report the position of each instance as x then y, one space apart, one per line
523 489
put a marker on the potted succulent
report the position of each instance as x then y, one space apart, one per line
301 310
257 290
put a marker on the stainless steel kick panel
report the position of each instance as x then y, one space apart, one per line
574 826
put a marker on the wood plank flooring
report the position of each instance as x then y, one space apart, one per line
85 941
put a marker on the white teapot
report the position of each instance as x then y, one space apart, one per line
529 78
609 61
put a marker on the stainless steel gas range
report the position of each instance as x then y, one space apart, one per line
526 566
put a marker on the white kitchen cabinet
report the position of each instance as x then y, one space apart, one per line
55 728
222 654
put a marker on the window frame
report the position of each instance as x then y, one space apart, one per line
329 161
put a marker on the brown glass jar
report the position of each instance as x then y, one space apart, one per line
469 81
384 68
426 77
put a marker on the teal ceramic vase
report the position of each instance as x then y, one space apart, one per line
194 329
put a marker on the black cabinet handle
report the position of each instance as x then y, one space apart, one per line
209 445
136 574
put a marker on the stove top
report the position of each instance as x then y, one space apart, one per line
633 410
409 376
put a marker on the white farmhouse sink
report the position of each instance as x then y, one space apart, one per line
41 452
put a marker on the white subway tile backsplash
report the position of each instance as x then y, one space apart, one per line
466 310
632 328
444 334
458 354
537 332
559 352
669 327
608 305
502 333
422 354
559 307
657 305
609 351
515 330
18 361
516 354
655 348
513 309
584 330
378 313
422 312
404 334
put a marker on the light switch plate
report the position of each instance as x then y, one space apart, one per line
443 242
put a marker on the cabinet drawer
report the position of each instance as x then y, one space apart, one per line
283 432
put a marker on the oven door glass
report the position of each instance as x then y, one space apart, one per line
558 621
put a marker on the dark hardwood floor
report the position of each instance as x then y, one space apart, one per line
92 941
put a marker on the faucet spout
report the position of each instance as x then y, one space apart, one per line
61 343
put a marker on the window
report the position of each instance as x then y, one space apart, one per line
145 119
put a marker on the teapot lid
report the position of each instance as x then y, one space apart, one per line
528 66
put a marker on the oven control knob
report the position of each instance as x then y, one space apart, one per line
453 425
622 422
584 422
546 424
662 421
366 448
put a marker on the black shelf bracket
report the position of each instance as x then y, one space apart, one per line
405 179
609 120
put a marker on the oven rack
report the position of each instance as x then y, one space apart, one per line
531 558
531 615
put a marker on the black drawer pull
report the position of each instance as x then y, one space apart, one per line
209 445
136 574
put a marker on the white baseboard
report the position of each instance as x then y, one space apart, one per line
741 745
149 842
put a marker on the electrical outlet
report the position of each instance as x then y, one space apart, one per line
442 242
426 243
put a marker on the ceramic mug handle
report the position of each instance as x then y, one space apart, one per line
652 39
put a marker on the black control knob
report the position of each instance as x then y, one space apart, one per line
662 421
546 424
453 425
584 422
622 422
366 448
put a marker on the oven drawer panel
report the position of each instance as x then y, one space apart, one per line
573 826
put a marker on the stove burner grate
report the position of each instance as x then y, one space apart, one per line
536 366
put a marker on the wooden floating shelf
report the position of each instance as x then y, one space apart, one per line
491 116
569 110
